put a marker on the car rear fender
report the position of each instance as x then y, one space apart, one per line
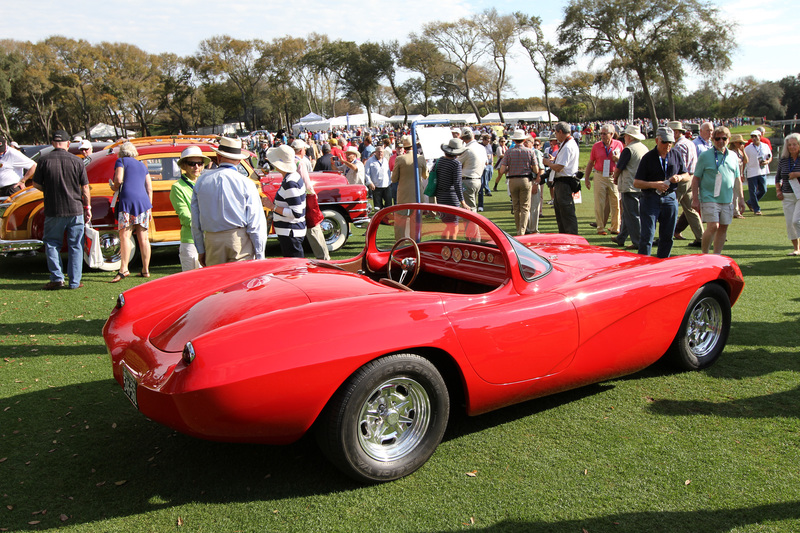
300 357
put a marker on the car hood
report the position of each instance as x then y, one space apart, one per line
284 289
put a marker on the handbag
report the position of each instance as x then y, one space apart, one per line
313 214
91 247
433 180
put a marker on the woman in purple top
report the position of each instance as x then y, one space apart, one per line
132 180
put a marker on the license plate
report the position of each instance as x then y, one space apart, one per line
129 386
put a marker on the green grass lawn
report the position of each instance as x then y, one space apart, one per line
710 451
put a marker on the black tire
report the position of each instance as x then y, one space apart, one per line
704 329
335 228
387 419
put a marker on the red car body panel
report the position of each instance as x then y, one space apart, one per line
275 339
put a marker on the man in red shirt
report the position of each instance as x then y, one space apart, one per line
602 160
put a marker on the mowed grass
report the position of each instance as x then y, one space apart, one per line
710 451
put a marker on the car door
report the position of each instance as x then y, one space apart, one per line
510 337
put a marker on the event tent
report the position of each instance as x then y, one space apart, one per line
516 116
107 131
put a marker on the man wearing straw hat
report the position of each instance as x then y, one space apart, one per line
624 174
520 165
228 222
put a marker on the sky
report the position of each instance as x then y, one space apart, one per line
178 26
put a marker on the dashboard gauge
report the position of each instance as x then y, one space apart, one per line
446 252
490 258
457 254
482 256
474 254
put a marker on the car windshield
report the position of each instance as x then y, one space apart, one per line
459 235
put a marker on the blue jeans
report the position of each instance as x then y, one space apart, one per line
54 230
486 181
757 187
664 210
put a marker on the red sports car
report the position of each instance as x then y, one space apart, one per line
453 312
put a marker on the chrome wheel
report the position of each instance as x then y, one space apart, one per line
387 419
394 419
704 328
335 229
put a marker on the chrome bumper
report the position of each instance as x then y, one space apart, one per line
27 245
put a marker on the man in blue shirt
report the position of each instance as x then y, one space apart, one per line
228 222
379 178
658 175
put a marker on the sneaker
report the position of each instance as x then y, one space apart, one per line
593 224
53 285
79 286
695 244
480 210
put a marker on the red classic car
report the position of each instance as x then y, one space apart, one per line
457 314
22 215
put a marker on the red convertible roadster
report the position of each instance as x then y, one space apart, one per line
454 313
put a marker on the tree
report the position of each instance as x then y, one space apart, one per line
545 57
462 46
791 95
223 58
634 33
11 68
765 101
501 32
422 56
580 86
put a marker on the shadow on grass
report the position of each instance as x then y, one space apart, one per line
708 521
83 451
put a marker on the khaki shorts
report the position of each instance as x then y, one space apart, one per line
714 212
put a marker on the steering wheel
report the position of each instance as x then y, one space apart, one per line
409 264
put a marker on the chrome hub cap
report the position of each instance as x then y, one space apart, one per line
394 419
705 327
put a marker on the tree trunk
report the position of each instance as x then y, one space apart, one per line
648 98
670 95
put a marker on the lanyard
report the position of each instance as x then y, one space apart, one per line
188 182
608 151
792 164
663 164
716 158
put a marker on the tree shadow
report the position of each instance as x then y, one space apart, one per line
708 521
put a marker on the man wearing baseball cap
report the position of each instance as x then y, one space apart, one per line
659 173
62 179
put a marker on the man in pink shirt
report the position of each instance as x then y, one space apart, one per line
602 160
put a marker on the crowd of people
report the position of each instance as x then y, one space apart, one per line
638 192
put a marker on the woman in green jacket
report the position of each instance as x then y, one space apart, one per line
192 163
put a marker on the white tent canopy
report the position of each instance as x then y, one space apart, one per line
344 121
516 116
107 131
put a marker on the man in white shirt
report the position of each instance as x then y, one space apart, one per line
473 161
378 178
15 169
565 166
759 157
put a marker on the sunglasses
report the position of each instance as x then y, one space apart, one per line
720 138
193 163
85 149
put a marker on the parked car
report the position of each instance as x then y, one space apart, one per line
476 322
22 215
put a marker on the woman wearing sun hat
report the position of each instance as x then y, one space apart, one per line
192 163
289 206
448 184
